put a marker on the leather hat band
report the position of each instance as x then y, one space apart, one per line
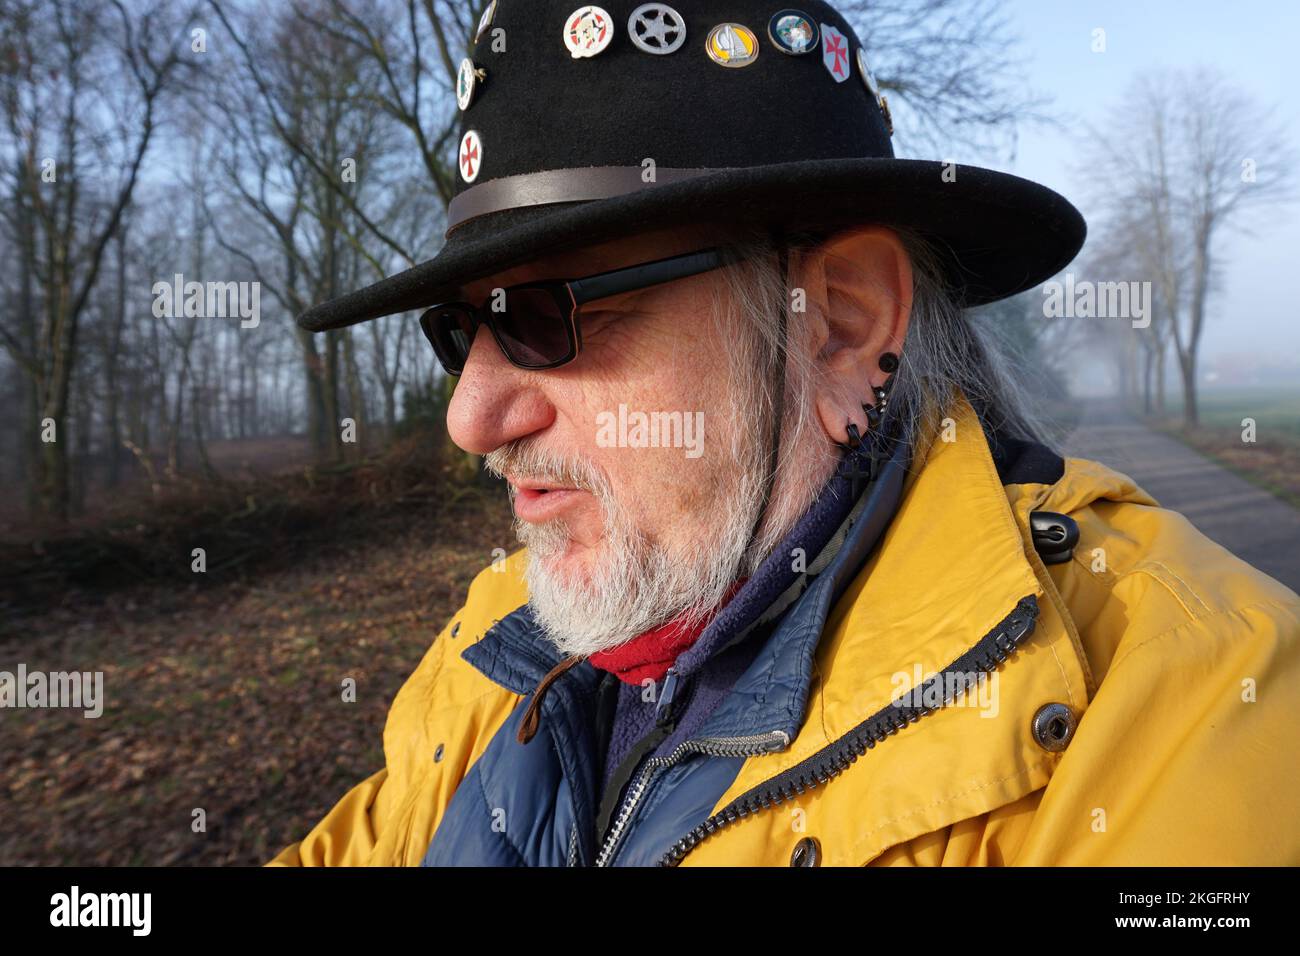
558 185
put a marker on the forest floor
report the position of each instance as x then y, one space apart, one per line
226 696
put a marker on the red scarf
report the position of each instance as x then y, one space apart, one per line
649 655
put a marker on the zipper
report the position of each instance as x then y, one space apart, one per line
748 746
992 649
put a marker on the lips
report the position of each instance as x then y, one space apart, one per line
537 502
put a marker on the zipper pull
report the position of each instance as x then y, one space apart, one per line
664 705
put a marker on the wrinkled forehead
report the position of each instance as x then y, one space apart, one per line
588 260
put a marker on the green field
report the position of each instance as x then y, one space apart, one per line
1272 460
1276 412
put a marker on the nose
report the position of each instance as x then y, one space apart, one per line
495 402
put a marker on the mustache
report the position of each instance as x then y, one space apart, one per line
527 459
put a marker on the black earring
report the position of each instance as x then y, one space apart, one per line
889 364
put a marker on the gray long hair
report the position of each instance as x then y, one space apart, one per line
946 354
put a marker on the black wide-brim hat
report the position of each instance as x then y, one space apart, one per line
557 151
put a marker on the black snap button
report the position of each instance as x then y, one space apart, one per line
1053 727
455 629
1054 535
437 754
807 852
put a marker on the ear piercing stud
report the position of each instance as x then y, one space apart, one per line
889 365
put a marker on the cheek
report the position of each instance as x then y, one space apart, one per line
664 361
675 373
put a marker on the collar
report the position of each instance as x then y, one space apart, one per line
956 559
954 562
649 655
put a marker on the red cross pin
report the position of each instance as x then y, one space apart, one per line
835 53
471 151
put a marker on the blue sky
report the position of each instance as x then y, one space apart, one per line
1255 45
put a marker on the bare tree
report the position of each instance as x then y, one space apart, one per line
78 139
1237 160
1184 158
951 70
324 172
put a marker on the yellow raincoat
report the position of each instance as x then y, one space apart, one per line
1179 663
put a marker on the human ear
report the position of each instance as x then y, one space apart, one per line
859 289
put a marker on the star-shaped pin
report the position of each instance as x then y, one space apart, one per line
657 29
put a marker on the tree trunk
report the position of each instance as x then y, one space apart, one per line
112 361
1160 382
1148 369
356 397
1187 365
54 480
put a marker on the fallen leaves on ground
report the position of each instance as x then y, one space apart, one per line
228 698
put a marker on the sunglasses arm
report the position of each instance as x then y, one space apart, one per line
647 274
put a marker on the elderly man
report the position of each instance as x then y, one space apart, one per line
865 616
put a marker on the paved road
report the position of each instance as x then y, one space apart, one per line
1247 520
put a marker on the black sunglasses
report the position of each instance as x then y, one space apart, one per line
535 324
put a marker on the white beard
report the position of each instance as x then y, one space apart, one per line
640 584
